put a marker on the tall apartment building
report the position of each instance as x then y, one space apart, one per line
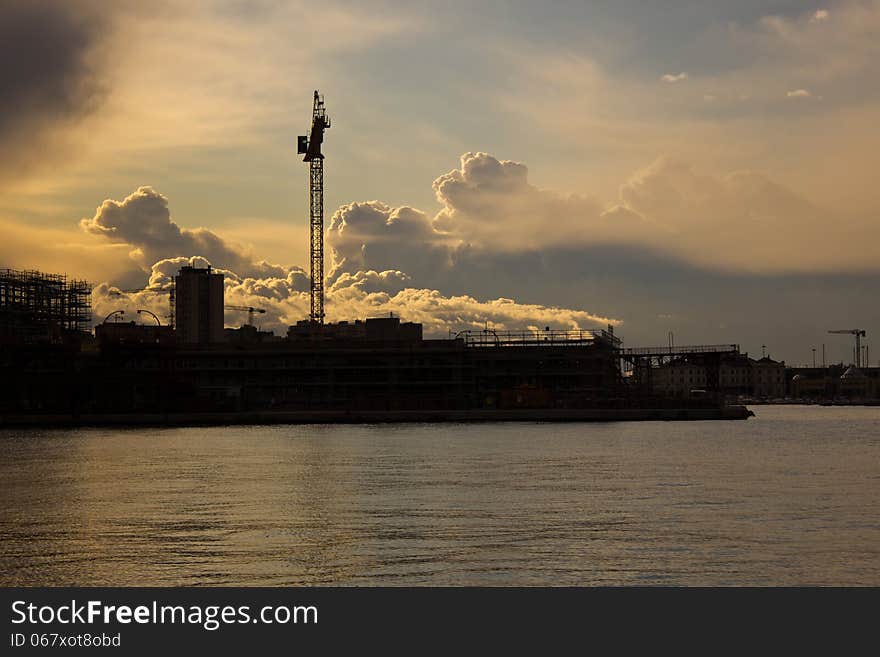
198 305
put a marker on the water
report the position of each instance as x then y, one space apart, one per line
789 497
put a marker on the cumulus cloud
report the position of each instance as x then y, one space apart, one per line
674 77
368 282
107 298
440 313
798 93
364 294
372 235
490 210
143 221
820 15
487 204
486 198
490 204
362 234
442 270
497 236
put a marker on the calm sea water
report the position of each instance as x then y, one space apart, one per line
789 497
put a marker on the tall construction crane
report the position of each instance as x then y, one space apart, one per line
310 146
250 311
859 334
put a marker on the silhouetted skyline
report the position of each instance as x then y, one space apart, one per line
702 170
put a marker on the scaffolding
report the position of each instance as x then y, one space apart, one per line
36 306
536 338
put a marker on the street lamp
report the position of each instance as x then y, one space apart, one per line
150 313
115 312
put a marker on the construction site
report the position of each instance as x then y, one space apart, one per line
192 368
40 307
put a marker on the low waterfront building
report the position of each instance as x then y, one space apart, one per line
373 329
385 372
247 334
834 382
738 375
768 378
131 333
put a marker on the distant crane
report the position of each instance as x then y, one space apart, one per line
859 334
250 311
310 146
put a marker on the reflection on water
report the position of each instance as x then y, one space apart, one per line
789 497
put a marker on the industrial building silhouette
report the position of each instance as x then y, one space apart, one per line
194 368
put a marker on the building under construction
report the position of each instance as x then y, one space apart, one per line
36 307
378 369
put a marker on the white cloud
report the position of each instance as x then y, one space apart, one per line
490 203
360 236
490 211
488 206
820 15
358 296
674 77
493 223
143 221
798 93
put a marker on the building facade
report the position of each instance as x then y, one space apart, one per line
768 378
131 333
835 382
314 375
738 375
198 306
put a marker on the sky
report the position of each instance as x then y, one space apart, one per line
704 168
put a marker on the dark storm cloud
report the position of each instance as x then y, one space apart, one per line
654 292
48 76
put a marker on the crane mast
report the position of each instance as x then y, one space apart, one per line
250 311
310 146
